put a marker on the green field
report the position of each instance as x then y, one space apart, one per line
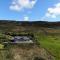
51 42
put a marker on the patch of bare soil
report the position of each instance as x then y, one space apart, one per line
32 53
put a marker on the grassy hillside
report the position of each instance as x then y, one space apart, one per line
47 35
51 42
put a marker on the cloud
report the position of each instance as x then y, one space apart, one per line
53 11
18 5
26 18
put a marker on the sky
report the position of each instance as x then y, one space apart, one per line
30 10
